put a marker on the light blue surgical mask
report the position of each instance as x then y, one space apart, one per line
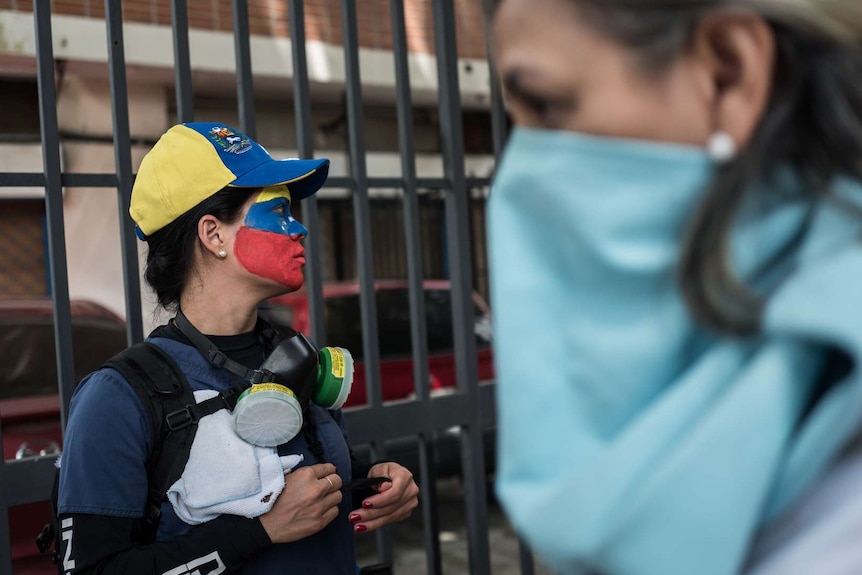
632 441
584 240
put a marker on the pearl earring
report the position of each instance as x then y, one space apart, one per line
222 254
721 147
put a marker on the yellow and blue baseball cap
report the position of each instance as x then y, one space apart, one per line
193 161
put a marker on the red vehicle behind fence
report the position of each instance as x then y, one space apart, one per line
344 329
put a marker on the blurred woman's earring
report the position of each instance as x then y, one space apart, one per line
222 254
721 147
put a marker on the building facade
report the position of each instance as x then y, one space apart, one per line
86 128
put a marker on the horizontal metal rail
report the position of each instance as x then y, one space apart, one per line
37 180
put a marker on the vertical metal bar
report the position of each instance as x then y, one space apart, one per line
362 215
498 109
182 61
123 162
305 148
361 203
54 205
412 229
499 130
458 248
526 558
5 538
413 240
58 275
59 280
428 498
244 82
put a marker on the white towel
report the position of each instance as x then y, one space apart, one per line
226 475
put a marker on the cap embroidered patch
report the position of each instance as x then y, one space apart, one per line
230 142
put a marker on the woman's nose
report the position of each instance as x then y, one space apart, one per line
296 230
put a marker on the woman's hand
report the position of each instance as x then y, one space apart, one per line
308 503
393 502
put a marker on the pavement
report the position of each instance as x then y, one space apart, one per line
408 544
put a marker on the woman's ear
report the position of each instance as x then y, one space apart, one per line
210 230
737 50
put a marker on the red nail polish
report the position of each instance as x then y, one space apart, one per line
367 505
360 528
354 517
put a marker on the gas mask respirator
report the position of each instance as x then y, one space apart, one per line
270 411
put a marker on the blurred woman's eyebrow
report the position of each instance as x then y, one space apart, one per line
531 84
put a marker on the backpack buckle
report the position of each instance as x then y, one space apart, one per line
261 375
180 419
218 358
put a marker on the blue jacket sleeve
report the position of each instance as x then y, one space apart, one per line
103 492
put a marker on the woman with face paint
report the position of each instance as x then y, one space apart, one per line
269 228
678 345
215 211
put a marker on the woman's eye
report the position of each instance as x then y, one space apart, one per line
541 111
536 104
280 209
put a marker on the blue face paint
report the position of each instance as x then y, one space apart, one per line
271 213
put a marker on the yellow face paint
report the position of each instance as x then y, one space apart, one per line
272 193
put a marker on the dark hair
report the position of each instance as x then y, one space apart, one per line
171 250
813 123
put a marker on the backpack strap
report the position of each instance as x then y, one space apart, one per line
170 405
163 391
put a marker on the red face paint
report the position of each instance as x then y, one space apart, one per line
278 257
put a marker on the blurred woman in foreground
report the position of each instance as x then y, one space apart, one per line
677 284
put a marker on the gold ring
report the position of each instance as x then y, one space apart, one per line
331 484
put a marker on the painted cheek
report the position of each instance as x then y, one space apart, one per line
270 255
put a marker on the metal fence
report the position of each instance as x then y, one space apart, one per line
30 480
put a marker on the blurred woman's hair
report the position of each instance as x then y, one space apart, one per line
812 123
171 250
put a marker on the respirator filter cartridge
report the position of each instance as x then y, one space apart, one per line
267 414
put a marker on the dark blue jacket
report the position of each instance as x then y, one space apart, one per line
103 490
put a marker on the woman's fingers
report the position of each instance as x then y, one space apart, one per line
370 523
322 470
396 504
